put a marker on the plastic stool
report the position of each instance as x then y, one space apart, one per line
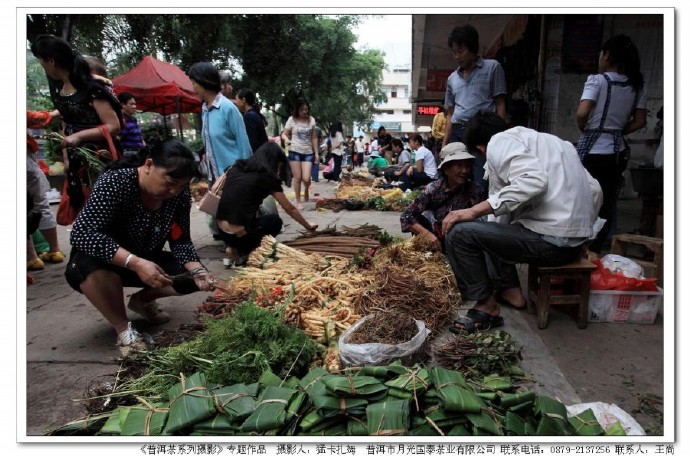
540 294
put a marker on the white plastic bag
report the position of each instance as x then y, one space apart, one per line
623 265
607 415
380 354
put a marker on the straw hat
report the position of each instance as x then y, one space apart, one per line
454 151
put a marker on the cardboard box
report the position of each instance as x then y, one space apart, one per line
624 306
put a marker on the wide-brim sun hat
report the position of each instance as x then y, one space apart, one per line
454 151
375 154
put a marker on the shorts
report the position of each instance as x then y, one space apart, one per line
296 156
80 265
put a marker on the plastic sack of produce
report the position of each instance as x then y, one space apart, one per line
603 279
378 353
621 265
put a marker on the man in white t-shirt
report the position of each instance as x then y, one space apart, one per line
424 169
359 149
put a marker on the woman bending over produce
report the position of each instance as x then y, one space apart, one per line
118 239
247 184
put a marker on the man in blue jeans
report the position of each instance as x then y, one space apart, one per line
478 84
543 203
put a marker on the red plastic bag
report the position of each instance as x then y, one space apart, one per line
44 167
604 279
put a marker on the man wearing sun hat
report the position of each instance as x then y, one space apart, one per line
454 190
546 206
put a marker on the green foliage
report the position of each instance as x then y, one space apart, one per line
278 56
235 349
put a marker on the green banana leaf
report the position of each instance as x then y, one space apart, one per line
485 421
111 426
452 389
330 406
389 418
544 405
459 429
514 425
494 382
383 372
217 425
190 402
586 423
553 424
147 419
237 401
616 429
361 386
296 409
315 422
413 382
508 400
268 378
270 413
357 427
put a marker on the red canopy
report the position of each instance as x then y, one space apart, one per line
159 87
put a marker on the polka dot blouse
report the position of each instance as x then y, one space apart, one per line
114 216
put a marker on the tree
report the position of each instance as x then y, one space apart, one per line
281 55
314 56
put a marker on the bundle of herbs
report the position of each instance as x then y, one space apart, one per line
235 349
479 354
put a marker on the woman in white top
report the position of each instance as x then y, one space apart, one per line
337 149
300 136
613 104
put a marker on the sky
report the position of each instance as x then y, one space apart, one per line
390 33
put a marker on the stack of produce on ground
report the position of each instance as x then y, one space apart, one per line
275 342
198 189
385 400
363 193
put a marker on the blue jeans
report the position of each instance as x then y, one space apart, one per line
505 245
457 134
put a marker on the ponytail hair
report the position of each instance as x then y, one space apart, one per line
58 49
248 96
624 54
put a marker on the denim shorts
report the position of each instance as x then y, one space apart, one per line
296 156
80 265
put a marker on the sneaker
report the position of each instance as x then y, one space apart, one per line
148 310
130 340
52 257
35 265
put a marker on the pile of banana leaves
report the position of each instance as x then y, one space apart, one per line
369 401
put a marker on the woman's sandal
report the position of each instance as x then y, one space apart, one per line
476 320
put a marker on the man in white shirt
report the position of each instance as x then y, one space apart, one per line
359 148
424 169
544 203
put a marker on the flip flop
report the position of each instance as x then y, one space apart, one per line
501 300
474 316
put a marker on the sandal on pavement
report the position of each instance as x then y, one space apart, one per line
35 265
476 320
148 310
52 257
501 300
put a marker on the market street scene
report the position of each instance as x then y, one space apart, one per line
456 234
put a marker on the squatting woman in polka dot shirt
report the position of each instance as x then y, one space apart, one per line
118 238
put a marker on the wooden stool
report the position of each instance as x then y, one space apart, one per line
620 245
541 296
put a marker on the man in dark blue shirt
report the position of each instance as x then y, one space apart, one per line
131 139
